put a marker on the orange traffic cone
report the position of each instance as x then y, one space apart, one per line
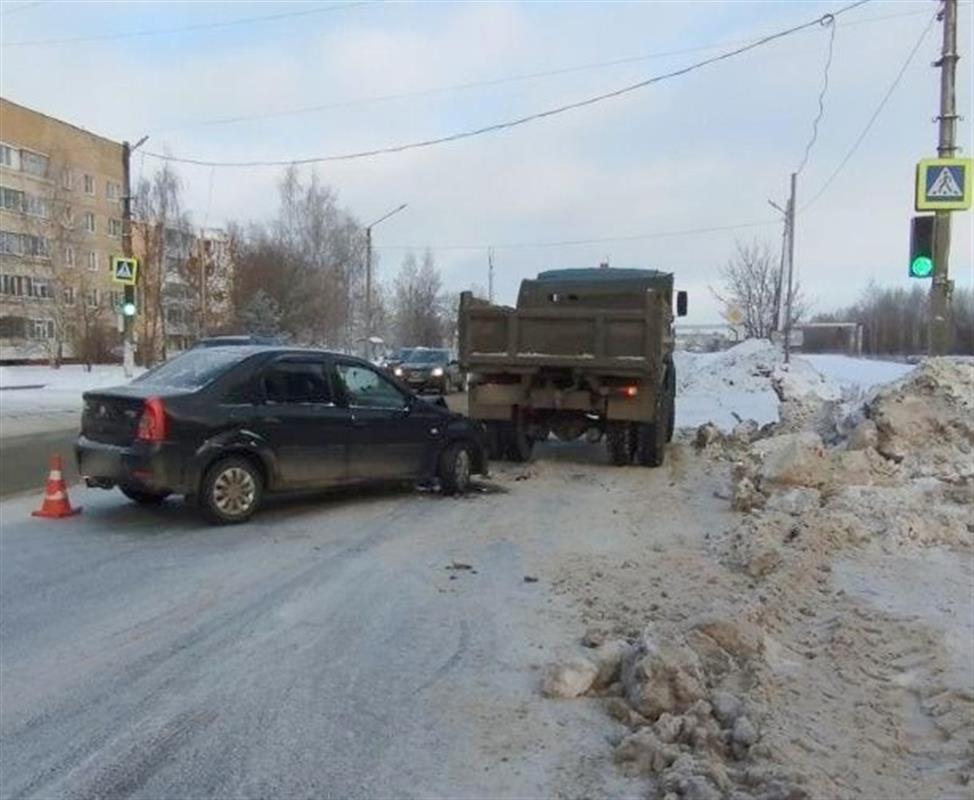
56 503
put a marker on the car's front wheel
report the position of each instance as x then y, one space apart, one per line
231 491
455 468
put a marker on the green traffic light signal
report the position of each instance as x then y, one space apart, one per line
921 267
128 309
921 246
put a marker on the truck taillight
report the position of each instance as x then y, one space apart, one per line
152 424
629 391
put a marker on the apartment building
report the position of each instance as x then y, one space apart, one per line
60 224
185 292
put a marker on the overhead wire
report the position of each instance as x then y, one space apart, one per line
829 22
202 26
486 82
875 115
520 120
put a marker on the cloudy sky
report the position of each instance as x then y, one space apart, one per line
702 151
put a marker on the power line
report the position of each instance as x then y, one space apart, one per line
486 82
830 23
576 242
875 115
203 26
520 120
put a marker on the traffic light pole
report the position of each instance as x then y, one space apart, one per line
942 287
128 352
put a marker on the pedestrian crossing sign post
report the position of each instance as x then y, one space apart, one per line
944 184
125 270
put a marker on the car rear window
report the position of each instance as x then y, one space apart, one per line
192 369
430 356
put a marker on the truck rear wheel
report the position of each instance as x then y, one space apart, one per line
518 444
620 441
670 401
651 443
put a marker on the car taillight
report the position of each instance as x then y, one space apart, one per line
152 424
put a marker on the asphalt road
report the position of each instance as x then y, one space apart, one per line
25 460
325 649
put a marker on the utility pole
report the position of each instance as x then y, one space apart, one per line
128 351
490 274
368 275
941 287
790 223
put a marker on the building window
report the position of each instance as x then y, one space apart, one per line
67 178
91 298
89 184
68 219
115 227
113 191
115 299
12 285
40 289
41 329
11 243
69 256
7 156
37 246
34 163
92 261
35 206
89 222
68 295
11 199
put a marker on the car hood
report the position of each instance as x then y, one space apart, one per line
420 366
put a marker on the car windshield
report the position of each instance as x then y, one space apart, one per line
429 356
404 353
192 369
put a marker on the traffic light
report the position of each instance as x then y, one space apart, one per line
921 246
128 302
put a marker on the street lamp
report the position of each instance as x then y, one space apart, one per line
368 271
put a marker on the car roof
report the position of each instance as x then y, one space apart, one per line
245 351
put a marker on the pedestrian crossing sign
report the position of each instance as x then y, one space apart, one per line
125 270
943 184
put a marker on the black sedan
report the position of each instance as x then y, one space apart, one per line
225 425
430 368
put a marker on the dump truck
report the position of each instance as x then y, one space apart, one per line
586 352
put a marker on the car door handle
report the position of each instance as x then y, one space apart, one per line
273 420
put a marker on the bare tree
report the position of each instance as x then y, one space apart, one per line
160 235
750 290
896 320
417 302
309 260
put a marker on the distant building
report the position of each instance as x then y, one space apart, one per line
184 292
60 224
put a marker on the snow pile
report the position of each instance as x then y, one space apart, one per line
681 691
904 475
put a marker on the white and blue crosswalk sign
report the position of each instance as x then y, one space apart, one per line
943 184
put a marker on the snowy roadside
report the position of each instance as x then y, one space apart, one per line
819 643
747 382
37 399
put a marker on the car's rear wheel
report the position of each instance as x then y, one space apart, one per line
144 497
455 468
231 491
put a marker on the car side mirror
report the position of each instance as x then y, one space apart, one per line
681 304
